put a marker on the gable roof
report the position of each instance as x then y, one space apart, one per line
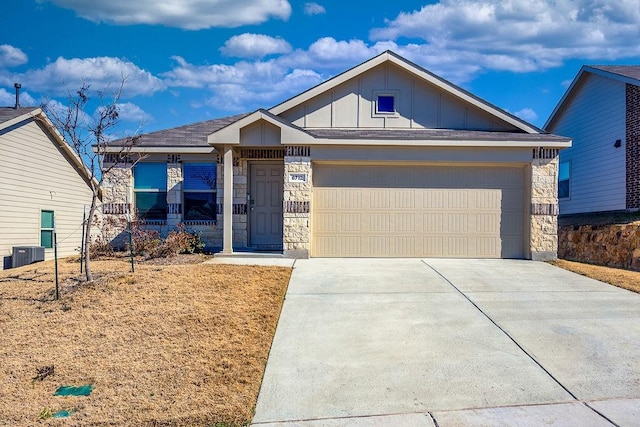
391 57
623 73
17 116
10 116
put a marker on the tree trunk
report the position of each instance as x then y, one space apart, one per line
87 237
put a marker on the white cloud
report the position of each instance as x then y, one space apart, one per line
11 56
314 9
244 85
8 99
130 112
526 114
102 73
520 35
249 45
187 14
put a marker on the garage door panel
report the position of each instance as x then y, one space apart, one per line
433 222
417 211
351 199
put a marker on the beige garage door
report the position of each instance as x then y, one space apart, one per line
417 211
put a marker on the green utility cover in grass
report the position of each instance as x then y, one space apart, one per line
67 390
62 414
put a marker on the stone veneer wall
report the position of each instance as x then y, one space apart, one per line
297 203
118 201
612 245
544 205
116 205
632 146
174 195
240 173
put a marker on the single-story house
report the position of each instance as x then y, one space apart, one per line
384 160
600 111
40 179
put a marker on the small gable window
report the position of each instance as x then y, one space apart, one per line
386 104
564 180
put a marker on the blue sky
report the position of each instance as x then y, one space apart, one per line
192 60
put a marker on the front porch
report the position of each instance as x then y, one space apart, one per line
266 195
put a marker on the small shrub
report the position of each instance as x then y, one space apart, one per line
179 241
101 247
145 242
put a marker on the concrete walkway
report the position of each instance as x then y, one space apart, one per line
373 342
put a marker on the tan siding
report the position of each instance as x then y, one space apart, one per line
419 104
399 81
261 133
35 176
424 211
426 107
369 82
345 102
319 111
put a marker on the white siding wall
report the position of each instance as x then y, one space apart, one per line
594 119
419 105
35 176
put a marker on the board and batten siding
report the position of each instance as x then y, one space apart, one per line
419 105
34 176
594 119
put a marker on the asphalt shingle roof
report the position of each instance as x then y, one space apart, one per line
431 134
631 71
9 113
192 135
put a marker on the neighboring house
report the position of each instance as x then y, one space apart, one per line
40 178
601 113
385 159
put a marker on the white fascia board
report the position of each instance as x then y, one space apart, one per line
436 143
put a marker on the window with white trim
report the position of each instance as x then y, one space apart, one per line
199 191
150 190
46 229
564 180
385 103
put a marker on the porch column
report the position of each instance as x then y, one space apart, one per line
227 220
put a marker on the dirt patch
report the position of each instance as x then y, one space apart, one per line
170 345
622 278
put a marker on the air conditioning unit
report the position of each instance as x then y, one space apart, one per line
25 255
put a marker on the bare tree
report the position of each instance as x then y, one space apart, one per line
89 136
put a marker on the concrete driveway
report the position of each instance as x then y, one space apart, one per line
434 342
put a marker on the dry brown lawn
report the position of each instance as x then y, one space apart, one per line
169 345
622 278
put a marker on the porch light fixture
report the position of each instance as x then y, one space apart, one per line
618 143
